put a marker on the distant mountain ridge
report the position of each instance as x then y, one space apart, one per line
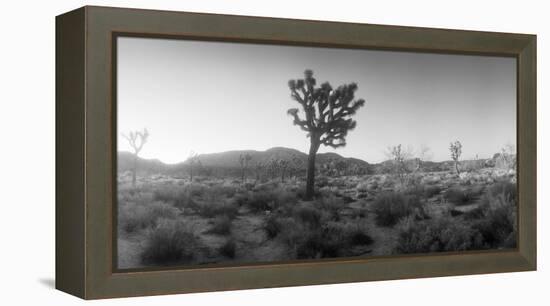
230 160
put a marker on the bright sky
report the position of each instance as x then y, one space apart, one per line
214 96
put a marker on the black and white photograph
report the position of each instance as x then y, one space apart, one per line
242 153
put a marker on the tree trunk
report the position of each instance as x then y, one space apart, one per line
310 181
456 168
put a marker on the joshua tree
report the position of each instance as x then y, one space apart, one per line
194 163
244 160
296 167
136 139
272 167
342 167
283 165
399 157
327 116
456 151
259 168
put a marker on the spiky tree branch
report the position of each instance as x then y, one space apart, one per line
325 115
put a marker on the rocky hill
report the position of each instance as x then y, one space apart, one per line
229 160
227 163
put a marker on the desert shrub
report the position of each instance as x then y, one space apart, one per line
170 242
357 235
222 190
229 248
332 239
209 209
222 226
328 239
321 181
292 232
301 193
455 212
340 183
270 185
128 194
178 196
323 242
265 200
474 214
133 217
436 235
331 205
431 190
392 206
272 226
362 187
260 201
308 215
502 191
359 213
462 196
498 210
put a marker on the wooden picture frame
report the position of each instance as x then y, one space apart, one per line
86 153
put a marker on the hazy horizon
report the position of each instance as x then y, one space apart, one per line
211 97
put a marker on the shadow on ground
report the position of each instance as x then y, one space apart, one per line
48 282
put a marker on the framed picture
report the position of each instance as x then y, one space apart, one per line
200 152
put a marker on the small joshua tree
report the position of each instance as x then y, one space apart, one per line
283 165
326 116
136 140
399 158
259 169
272 167
342 167
194 163
244 160
296 166
456 151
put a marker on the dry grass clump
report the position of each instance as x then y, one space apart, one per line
133 217
498 215
436 235
229 248
463 196
310 231
170 242
266 200
390 207
178 196
222 226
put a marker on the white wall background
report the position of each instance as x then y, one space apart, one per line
27 152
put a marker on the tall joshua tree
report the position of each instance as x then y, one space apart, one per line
326 119
136 140
456 151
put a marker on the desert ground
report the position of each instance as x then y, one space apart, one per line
176 219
